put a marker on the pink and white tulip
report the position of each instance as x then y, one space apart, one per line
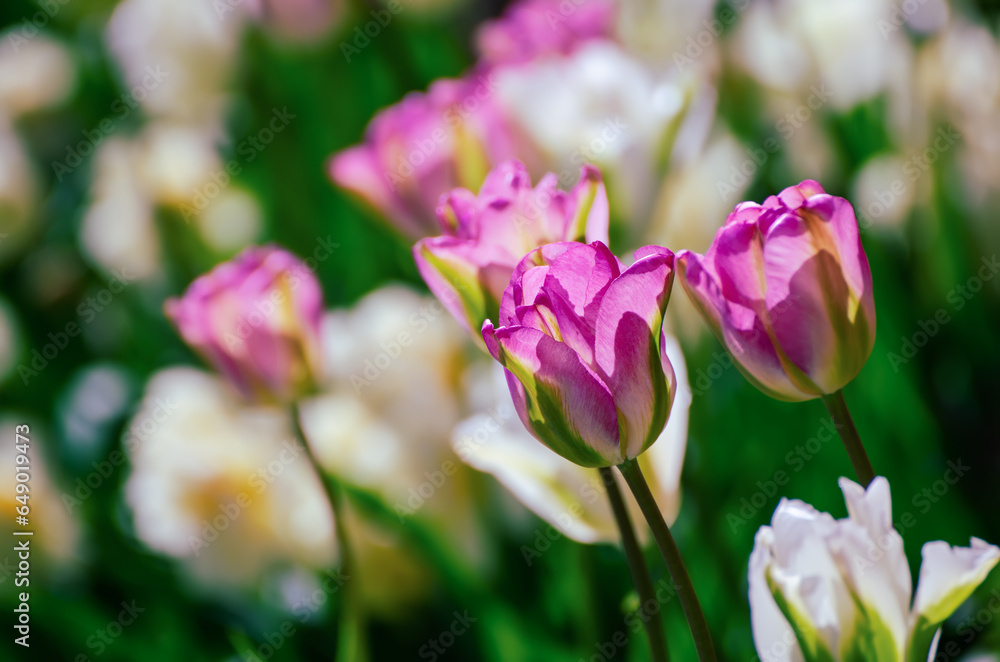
256 320
486 235
581 339
787 289
424 146
534 28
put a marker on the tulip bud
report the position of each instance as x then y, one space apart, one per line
256 320
485 237
581 340
787 289
825 589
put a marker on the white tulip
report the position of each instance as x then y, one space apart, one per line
826 589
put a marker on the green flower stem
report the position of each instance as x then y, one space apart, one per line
672 557
351 645
837 407
636 565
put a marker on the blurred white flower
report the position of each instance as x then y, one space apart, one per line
118 229
569 497
388 406
844 47
223 485
38 73
231 221
882 193
175 160
665 31
177 56
597 105
825 589
956 77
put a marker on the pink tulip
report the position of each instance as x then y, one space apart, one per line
787 289
533 28
486 235
424 146
581 340
256 320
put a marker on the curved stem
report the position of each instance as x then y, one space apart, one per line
837 407
636 566
350 633
672 557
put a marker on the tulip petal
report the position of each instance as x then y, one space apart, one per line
663 462
773 637
736 258
948 576
544 482
513 295
590 199
627 347
449 267
873 563
808 302
841 224
357 170
559 399
580 276
739 329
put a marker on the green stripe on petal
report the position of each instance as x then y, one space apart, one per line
813 648
566 406
456 285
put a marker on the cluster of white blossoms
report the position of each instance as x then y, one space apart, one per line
826 589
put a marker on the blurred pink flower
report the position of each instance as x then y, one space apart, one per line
256 320
787 289
486 235
533 28
424 146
